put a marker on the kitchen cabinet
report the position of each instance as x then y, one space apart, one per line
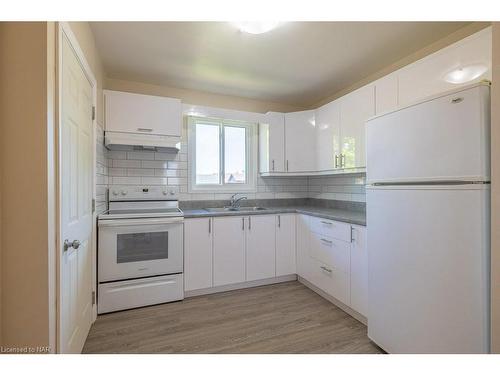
285 245
260 247
228 250
198 253
300 141
142 114
462 63
386 94
359 270
303 235
327 120
272 143
355 109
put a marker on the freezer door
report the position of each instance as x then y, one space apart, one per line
443 139
429 269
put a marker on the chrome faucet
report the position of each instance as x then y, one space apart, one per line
236 202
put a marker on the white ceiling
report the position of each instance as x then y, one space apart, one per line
298 63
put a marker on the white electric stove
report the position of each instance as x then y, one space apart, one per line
140 248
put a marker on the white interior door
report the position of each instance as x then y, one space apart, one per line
75 282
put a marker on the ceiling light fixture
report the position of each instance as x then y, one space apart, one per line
256 27
465 73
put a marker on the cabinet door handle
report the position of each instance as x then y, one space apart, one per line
336 161
287 165
326 269
273 164
249 222
342 160
279 221
242 223
352 236
326 222
209 225
147 130
326 241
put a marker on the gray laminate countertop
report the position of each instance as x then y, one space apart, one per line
347 216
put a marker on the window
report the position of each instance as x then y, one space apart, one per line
221 154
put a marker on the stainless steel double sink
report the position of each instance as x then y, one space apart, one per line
235 209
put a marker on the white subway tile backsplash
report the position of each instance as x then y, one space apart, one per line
142 155
154 181
140 172
117 171
125 180
117 154
165 156
126 163
154 164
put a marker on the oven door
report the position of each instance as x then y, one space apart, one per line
133 248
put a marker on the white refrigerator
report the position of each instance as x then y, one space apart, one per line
428 225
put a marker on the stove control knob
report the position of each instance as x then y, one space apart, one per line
172 192
164 192
124 192
115 192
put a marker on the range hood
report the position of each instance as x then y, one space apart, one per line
134 141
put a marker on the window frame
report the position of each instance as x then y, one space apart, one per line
250 151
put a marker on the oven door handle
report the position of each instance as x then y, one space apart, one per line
143 221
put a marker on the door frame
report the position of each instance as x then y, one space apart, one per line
64 31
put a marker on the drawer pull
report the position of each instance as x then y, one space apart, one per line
148 130
327 222
327 241
326 269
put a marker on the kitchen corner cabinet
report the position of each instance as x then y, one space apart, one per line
300 141
328 136
386 94
355 109
260 247
142 114
285 245
272 143
359 270
228 250
198 253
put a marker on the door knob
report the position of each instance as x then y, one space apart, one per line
75 244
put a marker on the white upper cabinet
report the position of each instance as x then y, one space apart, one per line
328 136
461 63
143 114
386 94
355 109
272 143
300 142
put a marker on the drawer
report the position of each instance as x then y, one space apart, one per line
330 280
330 251
331 228
121 295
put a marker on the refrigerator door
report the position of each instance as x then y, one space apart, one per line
443 139
429 268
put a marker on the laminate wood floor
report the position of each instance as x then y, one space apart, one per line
280 318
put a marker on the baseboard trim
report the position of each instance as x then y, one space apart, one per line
333 300
244 285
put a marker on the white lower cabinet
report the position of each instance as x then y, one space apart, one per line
260 247
285 245
198 254
329 254
228 250
359 270
333 257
